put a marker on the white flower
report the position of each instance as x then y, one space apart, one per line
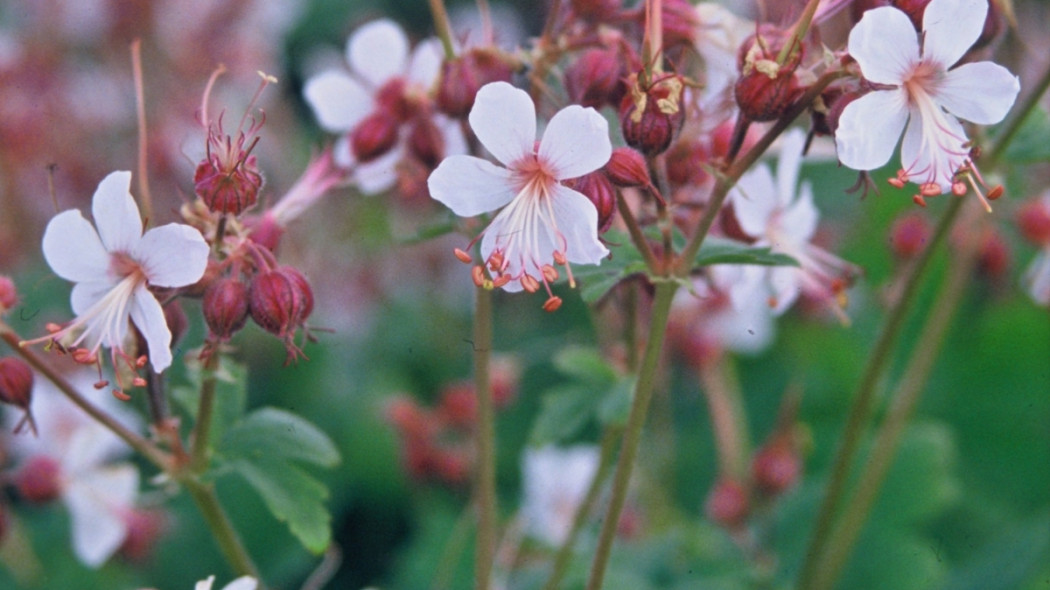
556 481
543 223
241 583
379 60
917 89
769 211
98 492
113 267
1037 277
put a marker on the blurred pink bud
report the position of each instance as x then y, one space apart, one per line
8 293
728 503
596 78
462 77
374 136
909 234
39 480
16 382
1033 219
776 466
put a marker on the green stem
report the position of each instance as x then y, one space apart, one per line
635 231
643 392
855 514
221 528
202 429
564 555
799 33
444 32
486 442
137 442
864 397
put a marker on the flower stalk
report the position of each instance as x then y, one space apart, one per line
485 491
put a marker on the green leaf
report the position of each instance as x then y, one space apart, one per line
430 231
231 394
293 496
616 404
563 413
270 432
584 364
723 251
1029 144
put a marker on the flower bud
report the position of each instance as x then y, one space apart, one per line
16 382
279 300
8 293
145 528
426 142
597 187
306 293
596 78
651 115
504 376
374 136
392 99
627 168
680 23
993 256
411 421
728 503
462 77
228 184
765 88
39 480
776 467
459 405
597 10
684 163
914 9
265 231
225 307
908 235
1033 219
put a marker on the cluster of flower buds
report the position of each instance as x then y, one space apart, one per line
436 442
767 85
462 77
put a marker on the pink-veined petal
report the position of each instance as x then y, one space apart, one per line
425 64
870 127
885 45
115 212
496 235
148 317
950 28
789 164
96 502
470 186
88 293
754 200
378 51
932 151
339 102
73 249
576 142
981 92
577 219
504 119
173 255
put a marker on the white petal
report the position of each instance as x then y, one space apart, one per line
425 64
504 119
88 293
452 132
173 255
885 45
576 142
800 219
787 286
148 317
981 92
339 102
470 186
205 584
950 28
576 218
96 501
754 200
1037 278
789 164
378 51
88 447
379 175
115 212
933 150
242 583
870 127
342 153
496 235
73 249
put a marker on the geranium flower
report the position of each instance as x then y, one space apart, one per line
915 87
114 266
383 79
556 481
543 223
770 211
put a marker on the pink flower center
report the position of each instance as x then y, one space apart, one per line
124 266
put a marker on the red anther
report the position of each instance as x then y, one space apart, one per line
101 384
84 356
959 188
918 200
463 256
121 395
141 361
500 281
559 258
138 382
477 274
550 274
552 304
896 182
52 327
496 261
929 189
529 283
996 192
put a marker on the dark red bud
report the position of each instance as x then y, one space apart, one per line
836 107
8 293
374 136
859 7
993 26
628 168
305 292
766 95
993 257
909 234
272 302
651 117
685 163
39 480
776 467
16 382
597 187
596 78
225 307
462 77
145 528
392 100
680 22
728 503
914 9
228 187
426 142
1033 219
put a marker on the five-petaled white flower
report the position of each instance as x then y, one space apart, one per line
114 266
915 86
769 211
381 71
544 223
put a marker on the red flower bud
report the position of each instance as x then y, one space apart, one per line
728 503
462 77
374 136
411 421
273 302
909 234
228 184
266 231
16 382
392 100
627 168
993 257
459 405
680 23
914 9
684 163
145 527
306 293
596 78
39 480
776 467
8 293
597 187
225 307
1033 219
426 142
652 115
597 10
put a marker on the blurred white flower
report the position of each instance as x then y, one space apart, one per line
556 481
241 583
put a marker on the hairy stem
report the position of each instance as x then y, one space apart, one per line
202 429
